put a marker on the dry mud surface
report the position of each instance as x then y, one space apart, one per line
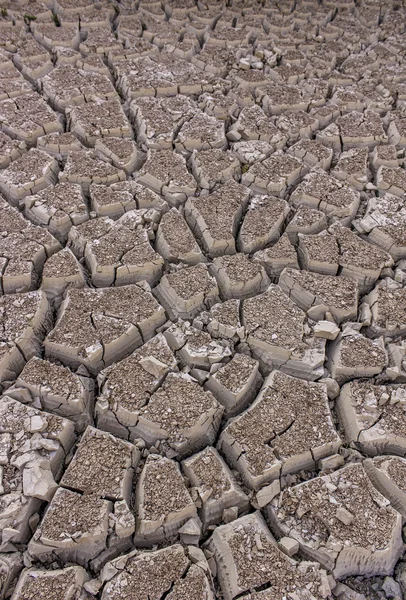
202 300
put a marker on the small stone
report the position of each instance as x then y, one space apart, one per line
289 546
391 588
230 514
331 462
344 516
327 330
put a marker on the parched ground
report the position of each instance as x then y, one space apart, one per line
202 300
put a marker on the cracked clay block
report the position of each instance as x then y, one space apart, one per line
96 327
38 584
214 218
24 248
279 335
168 572
374 416
236 383
214 484
57 389
33 445
187 292
125 387
248 557
356 534
274 435
163 502
24 320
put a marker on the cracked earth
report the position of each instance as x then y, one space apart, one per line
202 300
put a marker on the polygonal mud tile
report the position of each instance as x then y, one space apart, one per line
126 386
175 241
99 39
191 423
236 384
321 191
223 320
239 277
153 574
385 308
100 119
348 98
201 132
307 221
33 445
385 224
195 347
218 105
215 486
214 217
85 167
373 416
397 129
275 436
312 153
262 223
29 174
10 150
280 336
11 564
352 167
57 390
24 248
396 369
122 152
32 59
296 125
160 75
325 115
251 151
354 130
387 474
253 124
187 291
96 327
250 79
102 465
74 528
163 502
353 355
50 36
341 521
157 120
278 257
278 98
341 250
28 117
274 174
62 271
24 319
391 180
123 254
67 86
112 200
59 144
57 208
165 172
210 167
386 156
248 558
319 294
139 77
40 584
